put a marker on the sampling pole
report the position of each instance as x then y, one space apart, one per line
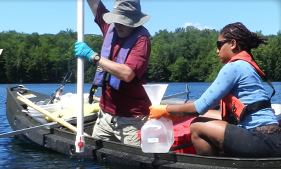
80 140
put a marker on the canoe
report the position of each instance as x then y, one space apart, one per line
62 140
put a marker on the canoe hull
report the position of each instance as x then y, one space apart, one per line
62 140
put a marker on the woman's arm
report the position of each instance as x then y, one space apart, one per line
187 109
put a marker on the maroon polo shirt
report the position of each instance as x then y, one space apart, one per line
131 99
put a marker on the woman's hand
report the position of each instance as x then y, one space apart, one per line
158 112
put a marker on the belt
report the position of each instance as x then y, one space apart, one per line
113 117
272 128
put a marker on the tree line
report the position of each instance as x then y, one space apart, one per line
184 55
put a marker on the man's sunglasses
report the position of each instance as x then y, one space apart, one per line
221 43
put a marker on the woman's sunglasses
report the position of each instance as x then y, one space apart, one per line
221 43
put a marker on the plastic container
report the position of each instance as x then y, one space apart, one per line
157 136
181 135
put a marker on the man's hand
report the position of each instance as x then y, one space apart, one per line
158 112
83 51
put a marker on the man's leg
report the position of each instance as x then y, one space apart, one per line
126 129
103 128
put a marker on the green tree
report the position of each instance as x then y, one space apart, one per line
187 54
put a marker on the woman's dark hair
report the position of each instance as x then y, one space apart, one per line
245 39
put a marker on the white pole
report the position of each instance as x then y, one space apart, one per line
80 140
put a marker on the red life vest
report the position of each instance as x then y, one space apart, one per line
232 105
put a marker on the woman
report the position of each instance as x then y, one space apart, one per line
254 132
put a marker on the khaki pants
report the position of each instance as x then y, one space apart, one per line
116 128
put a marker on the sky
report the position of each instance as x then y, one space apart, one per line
52 16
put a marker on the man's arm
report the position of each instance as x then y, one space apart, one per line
135 63
120 71
93 4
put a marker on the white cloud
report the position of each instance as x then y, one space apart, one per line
197 25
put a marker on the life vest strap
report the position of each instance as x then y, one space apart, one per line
254 107
92 93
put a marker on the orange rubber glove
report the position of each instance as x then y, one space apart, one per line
158 111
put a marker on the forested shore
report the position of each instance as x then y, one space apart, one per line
184 55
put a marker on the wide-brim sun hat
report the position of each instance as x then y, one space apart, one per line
126 12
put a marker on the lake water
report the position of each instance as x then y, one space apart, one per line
15 153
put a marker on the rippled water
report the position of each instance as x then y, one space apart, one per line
15 153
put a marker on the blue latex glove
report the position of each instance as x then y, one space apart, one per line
83 51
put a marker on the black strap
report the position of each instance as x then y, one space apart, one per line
254 107
92 92
182 146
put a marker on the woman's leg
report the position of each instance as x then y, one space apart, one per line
207 133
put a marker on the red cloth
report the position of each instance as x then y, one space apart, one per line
131 99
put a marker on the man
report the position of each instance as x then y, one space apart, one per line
120 70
